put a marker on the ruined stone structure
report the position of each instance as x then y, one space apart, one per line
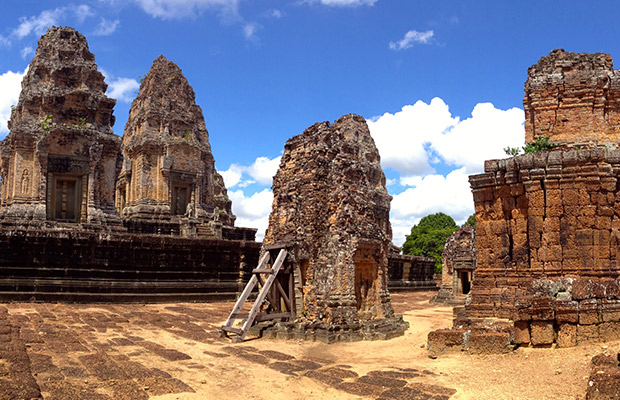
60 160
604 381
410 273
548 227
573 98
60 233
458 265
331 209
168 181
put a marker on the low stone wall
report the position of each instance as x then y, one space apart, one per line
58 265
410 273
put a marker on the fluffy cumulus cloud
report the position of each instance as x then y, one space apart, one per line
252 211
422 136
412 37
176 9
10 87
261 171
121 89
428 195
419 135
403 137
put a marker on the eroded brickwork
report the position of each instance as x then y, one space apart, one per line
61 157
331 207
574 98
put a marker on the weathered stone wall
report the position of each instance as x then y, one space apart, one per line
574 98
407 272
548 227
87 266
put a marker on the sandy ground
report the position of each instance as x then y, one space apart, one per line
172 351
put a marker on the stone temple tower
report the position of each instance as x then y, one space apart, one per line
168 183
60 159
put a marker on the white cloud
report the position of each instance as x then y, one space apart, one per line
177 9
412 37
275 13
402 137
347 3
26 52
416 137
121 89
481 137
82 12
249 30
430 194
232 176
37 25
10 87
253 211
106 27
261 171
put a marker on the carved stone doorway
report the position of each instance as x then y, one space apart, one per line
66 201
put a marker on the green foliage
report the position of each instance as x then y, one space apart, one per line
141 78
13 107
471 220
428 237
186 135
47 123
541 144
512 151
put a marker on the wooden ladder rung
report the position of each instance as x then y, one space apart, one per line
232 330
269 317
240 315
262 271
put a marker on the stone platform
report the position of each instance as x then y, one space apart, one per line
78 266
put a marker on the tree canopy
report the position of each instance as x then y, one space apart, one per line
428 237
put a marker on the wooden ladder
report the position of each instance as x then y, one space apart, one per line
268 291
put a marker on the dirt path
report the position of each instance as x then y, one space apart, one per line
171 351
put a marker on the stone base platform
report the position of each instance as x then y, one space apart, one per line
379 329
480 336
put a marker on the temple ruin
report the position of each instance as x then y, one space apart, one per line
168 181
458 265
61 157
548 223
330 210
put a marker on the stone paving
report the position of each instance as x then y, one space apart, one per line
108 352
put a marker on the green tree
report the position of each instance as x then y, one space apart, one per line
471 221
428 237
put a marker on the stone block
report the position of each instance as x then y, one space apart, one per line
609 331
589 312
587 334
582 289
489 343
567 311
522 332
543 308
610 310
542 333
567 335
444 340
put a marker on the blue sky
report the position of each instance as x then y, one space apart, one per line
441 82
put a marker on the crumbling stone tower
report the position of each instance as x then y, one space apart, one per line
168 181
458 265
331 208
60 159
574 98
548 224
